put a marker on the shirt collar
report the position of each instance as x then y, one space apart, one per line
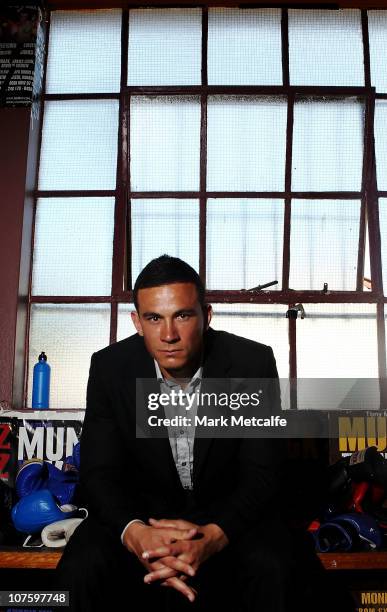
196 378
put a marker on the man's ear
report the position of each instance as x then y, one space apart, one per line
136 322
208 315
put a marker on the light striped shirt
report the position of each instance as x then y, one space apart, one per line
182 438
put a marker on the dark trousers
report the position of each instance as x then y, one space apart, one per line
268 569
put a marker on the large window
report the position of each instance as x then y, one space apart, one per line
249 142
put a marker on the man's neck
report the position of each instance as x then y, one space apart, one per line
182 376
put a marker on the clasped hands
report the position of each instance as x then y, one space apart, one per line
173 549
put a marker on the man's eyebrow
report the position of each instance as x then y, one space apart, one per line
151 314
157 314
185 311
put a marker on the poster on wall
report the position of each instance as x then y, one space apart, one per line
25 437
19 29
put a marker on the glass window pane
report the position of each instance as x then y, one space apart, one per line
381 143
68 334
377 31
338 341
327 145
248 234
246 143
325 47
83 227
244 47
260 322
383 235
165 47
165 143
125 326
84 52
164 226
324 242
79 145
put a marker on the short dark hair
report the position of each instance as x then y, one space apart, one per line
166 270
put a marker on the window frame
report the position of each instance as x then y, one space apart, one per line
121 270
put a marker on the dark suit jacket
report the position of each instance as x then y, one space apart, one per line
235 480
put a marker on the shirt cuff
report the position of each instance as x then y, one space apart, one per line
126 526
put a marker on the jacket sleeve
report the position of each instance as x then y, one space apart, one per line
259 473
104 471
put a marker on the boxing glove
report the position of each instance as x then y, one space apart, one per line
37 474
73 461
31 476
58 534
349 532
368 465
38 509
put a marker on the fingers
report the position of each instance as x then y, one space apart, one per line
156 565
175 529
162 523
171 563
183 534
173 523
180 586
165 572
163 551
181 577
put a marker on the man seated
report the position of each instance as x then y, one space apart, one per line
179 521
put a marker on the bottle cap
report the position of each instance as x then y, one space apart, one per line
42 356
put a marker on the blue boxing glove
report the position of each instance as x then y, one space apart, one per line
61 484
73 462
38 474
35 511
349 532
31 476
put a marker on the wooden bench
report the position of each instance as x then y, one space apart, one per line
48 558
37 558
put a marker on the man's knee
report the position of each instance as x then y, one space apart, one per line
269 565
93 556
97 570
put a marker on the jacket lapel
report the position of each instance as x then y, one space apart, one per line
216 365
161 456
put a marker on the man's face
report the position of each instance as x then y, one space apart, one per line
172 322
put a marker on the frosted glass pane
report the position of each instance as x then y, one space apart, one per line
68 334
165 143
325 47
125 326
383 235
244 47
381 143
84 52
324 242
327 145
337 341
260 322
165 47
246 143
164 226
79 145
377 31
248 234
73 246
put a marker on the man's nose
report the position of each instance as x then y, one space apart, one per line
169 332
